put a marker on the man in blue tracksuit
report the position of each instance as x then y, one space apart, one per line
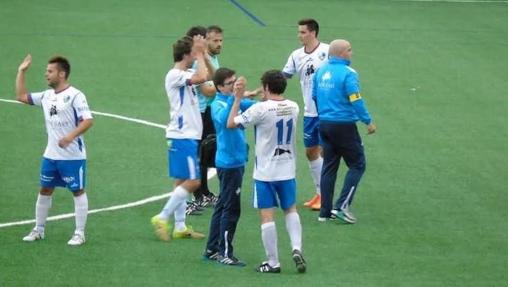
336 91
230 159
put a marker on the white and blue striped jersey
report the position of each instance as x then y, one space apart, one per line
305 64
62 112
184 116
275 128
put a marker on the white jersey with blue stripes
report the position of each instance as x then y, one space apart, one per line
62 112
275 128
305 64
184 116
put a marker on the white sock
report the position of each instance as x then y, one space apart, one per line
42 207
81 212
179 195
294 228
315 168
269 237
180 216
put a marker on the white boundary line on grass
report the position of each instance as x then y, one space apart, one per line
211 174
143 122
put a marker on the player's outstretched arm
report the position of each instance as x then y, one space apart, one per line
21 93
82 127
252 94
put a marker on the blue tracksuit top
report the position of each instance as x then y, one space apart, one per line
336 91
232 150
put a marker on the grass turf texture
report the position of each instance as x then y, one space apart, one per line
431 206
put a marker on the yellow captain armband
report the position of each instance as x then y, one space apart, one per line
354 97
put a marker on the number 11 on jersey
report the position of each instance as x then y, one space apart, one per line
280 131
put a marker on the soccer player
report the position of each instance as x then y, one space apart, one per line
337 95
206 93
274 120
230 163
304 62
64 162
183 133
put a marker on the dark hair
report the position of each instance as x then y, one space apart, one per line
220 75
196 30
182 47
311 24
275 81
214 28
62 64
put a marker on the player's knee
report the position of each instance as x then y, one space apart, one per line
78 193
313 153
193 185
266 215
361 166
46 191
290 209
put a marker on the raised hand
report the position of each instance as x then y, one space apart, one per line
25 64
199 44
239 87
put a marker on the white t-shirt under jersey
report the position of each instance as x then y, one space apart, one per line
185 118
275 127
305 64
62 111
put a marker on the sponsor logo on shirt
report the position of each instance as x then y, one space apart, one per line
326 76
280 151
324 82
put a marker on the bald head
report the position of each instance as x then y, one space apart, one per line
340 48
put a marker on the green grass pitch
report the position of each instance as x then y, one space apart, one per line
432 206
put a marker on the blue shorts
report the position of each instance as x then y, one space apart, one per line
266 193
183 159
64 173
311 132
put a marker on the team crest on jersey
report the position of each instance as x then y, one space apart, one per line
67 98
322 56
52 111
310 70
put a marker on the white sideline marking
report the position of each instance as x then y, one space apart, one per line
69 215
10 101
143 122
211 173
